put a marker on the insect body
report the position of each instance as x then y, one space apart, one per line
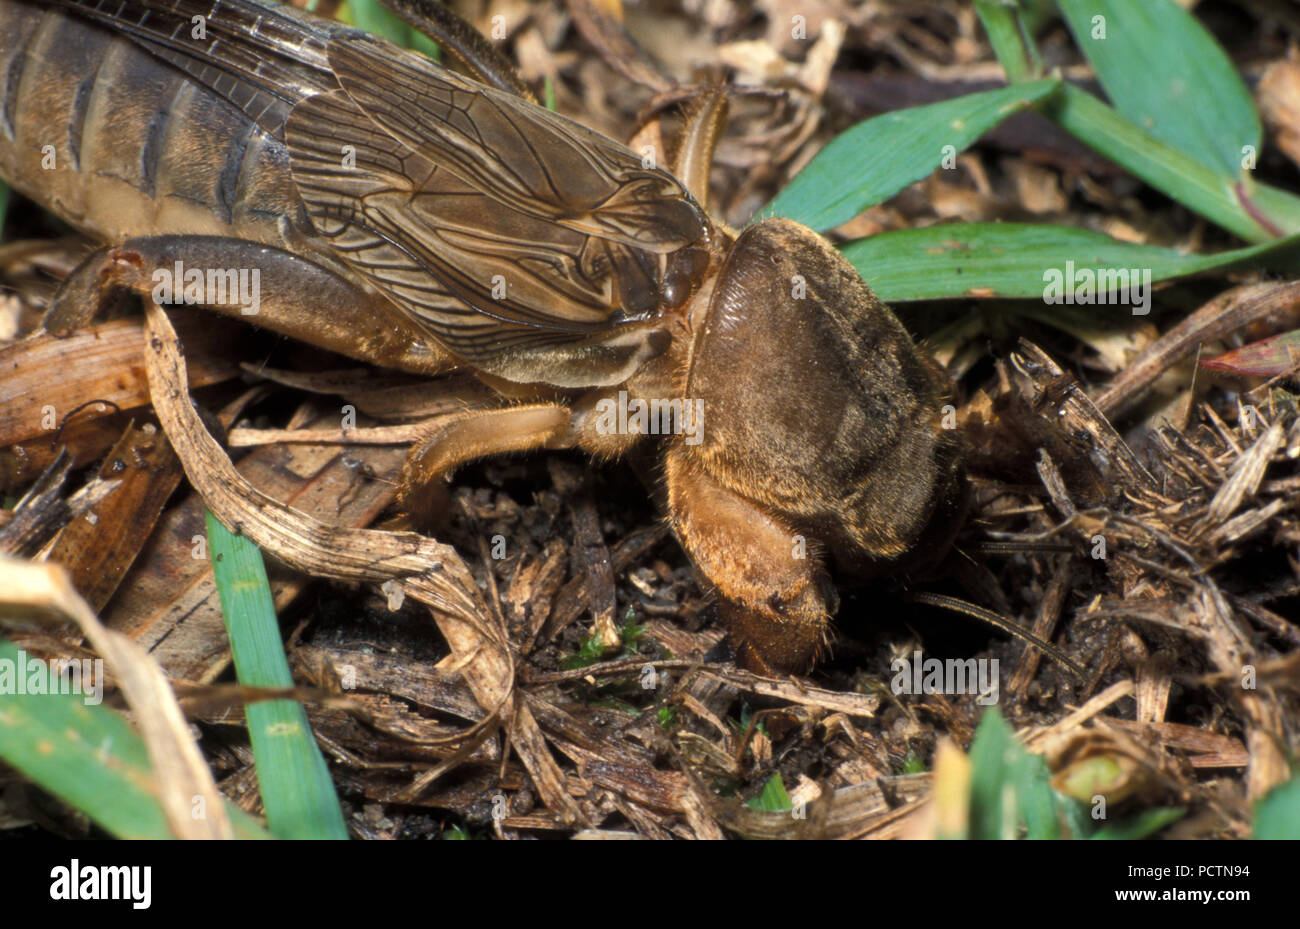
402 214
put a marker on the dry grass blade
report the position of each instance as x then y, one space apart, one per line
1243 480
366 435
1226 313
853 704
183 775
48 377
430 572
99 547
43 510
861 811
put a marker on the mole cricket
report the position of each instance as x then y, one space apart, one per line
400 213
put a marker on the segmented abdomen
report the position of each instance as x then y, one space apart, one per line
119 144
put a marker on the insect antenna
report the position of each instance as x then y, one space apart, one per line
998 621
1015 548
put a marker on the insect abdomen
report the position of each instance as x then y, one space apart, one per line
119 144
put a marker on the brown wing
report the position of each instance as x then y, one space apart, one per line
527 157
526 243
507 230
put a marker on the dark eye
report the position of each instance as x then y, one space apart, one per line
686 267
676 289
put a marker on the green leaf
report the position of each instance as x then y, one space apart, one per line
1013 259
1010 787
773 799
1277 814
1166 168
1166 74
296 788
373 17
590 650
1036 803
1228 199
1144 824
1278 207
992 755
875 159
1076 819
1009 37
87 756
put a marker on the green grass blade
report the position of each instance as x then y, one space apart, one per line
1144 824
875 159
87 756
1008 38
1184 91
1277 814
371 16
375 18
1166 168
1012 259
1010 787
774 798
296 788
1279 207
1209 186
992 755
1076 817
1036 802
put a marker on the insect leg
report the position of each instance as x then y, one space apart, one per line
266 286
775 596
462 437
